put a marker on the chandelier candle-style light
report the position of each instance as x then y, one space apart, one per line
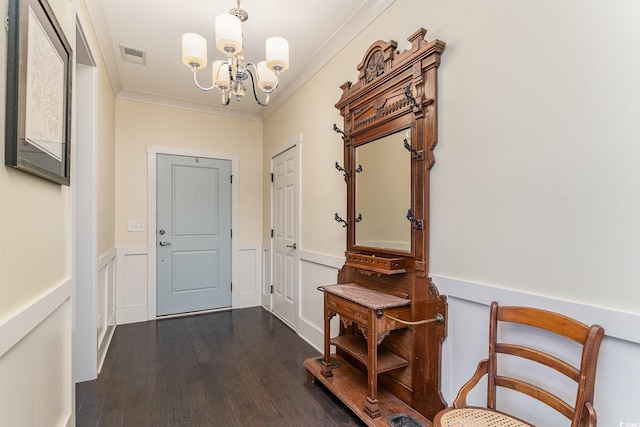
229 75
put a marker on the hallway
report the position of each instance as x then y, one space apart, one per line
232 368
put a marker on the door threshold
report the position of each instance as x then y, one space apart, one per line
193 313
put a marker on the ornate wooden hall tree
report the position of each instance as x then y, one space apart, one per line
392 318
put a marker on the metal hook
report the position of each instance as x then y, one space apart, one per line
338 219
409 94
416 154
346 172
417 223
341 169
359 218
337 129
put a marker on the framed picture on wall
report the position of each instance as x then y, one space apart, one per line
38 113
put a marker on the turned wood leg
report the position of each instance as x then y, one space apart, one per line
371 406
326 362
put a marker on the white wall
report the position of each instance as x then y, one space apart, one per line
535 182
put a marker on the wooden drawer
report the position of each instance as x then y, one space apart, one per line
348 309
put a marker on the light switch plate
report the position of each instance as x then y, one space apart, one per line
135 225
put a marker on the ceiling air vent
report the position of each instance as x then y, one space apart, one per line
136 56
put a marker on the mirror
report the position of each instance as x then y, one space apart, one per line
383 193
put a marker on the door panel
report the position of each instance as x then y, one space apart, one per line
285 241
194 234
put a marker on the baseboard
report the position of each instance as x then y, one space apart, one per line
104 347
131 315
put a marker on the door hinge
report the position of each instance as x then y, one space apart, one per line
271 288
271 177
231 178
272 234
231 232
231 286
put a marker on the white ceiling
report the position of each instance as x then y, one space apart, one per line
316 31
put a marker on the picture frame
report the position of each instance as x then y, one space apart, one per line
38 101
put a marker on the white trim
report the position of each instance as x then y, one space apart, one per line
323 259
19 323
617 324
152 152
106 258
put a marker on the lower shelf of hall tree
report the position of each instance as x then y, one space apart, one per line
350 386
356 346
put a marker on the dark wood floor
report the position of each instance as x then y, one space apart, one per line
233 368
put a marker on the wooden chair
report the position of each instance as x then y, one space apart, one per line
581 413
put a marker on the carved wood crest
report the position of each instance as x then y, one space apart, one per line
390 83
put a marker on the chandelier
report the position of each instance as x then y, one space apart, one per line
229 75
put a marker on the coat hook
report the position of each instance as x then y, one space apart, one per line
338 219
337 129
407 92
416 154
417 223
359 218
345 172
341 169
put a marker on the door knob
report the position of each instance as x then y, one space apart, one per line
163 243
292 246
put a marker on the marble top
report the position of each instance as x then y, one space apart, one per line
366 297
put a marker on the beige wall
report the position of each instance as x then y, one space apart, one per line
536 180
140 125
35 214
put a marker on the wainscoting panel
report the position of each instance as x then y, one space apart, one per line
131 285
246 286
315 270
106 303
36 357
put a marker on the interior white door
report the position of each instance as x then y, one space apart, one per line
285 235
193 234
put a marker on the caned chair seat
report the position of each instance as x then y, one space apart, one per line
478 417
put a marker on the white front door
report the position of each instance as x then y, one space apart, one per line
285 235
193 235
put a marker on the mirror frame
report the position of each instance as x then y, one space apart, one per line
394 91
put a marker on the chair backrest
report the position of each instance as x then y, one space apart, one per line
589 337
